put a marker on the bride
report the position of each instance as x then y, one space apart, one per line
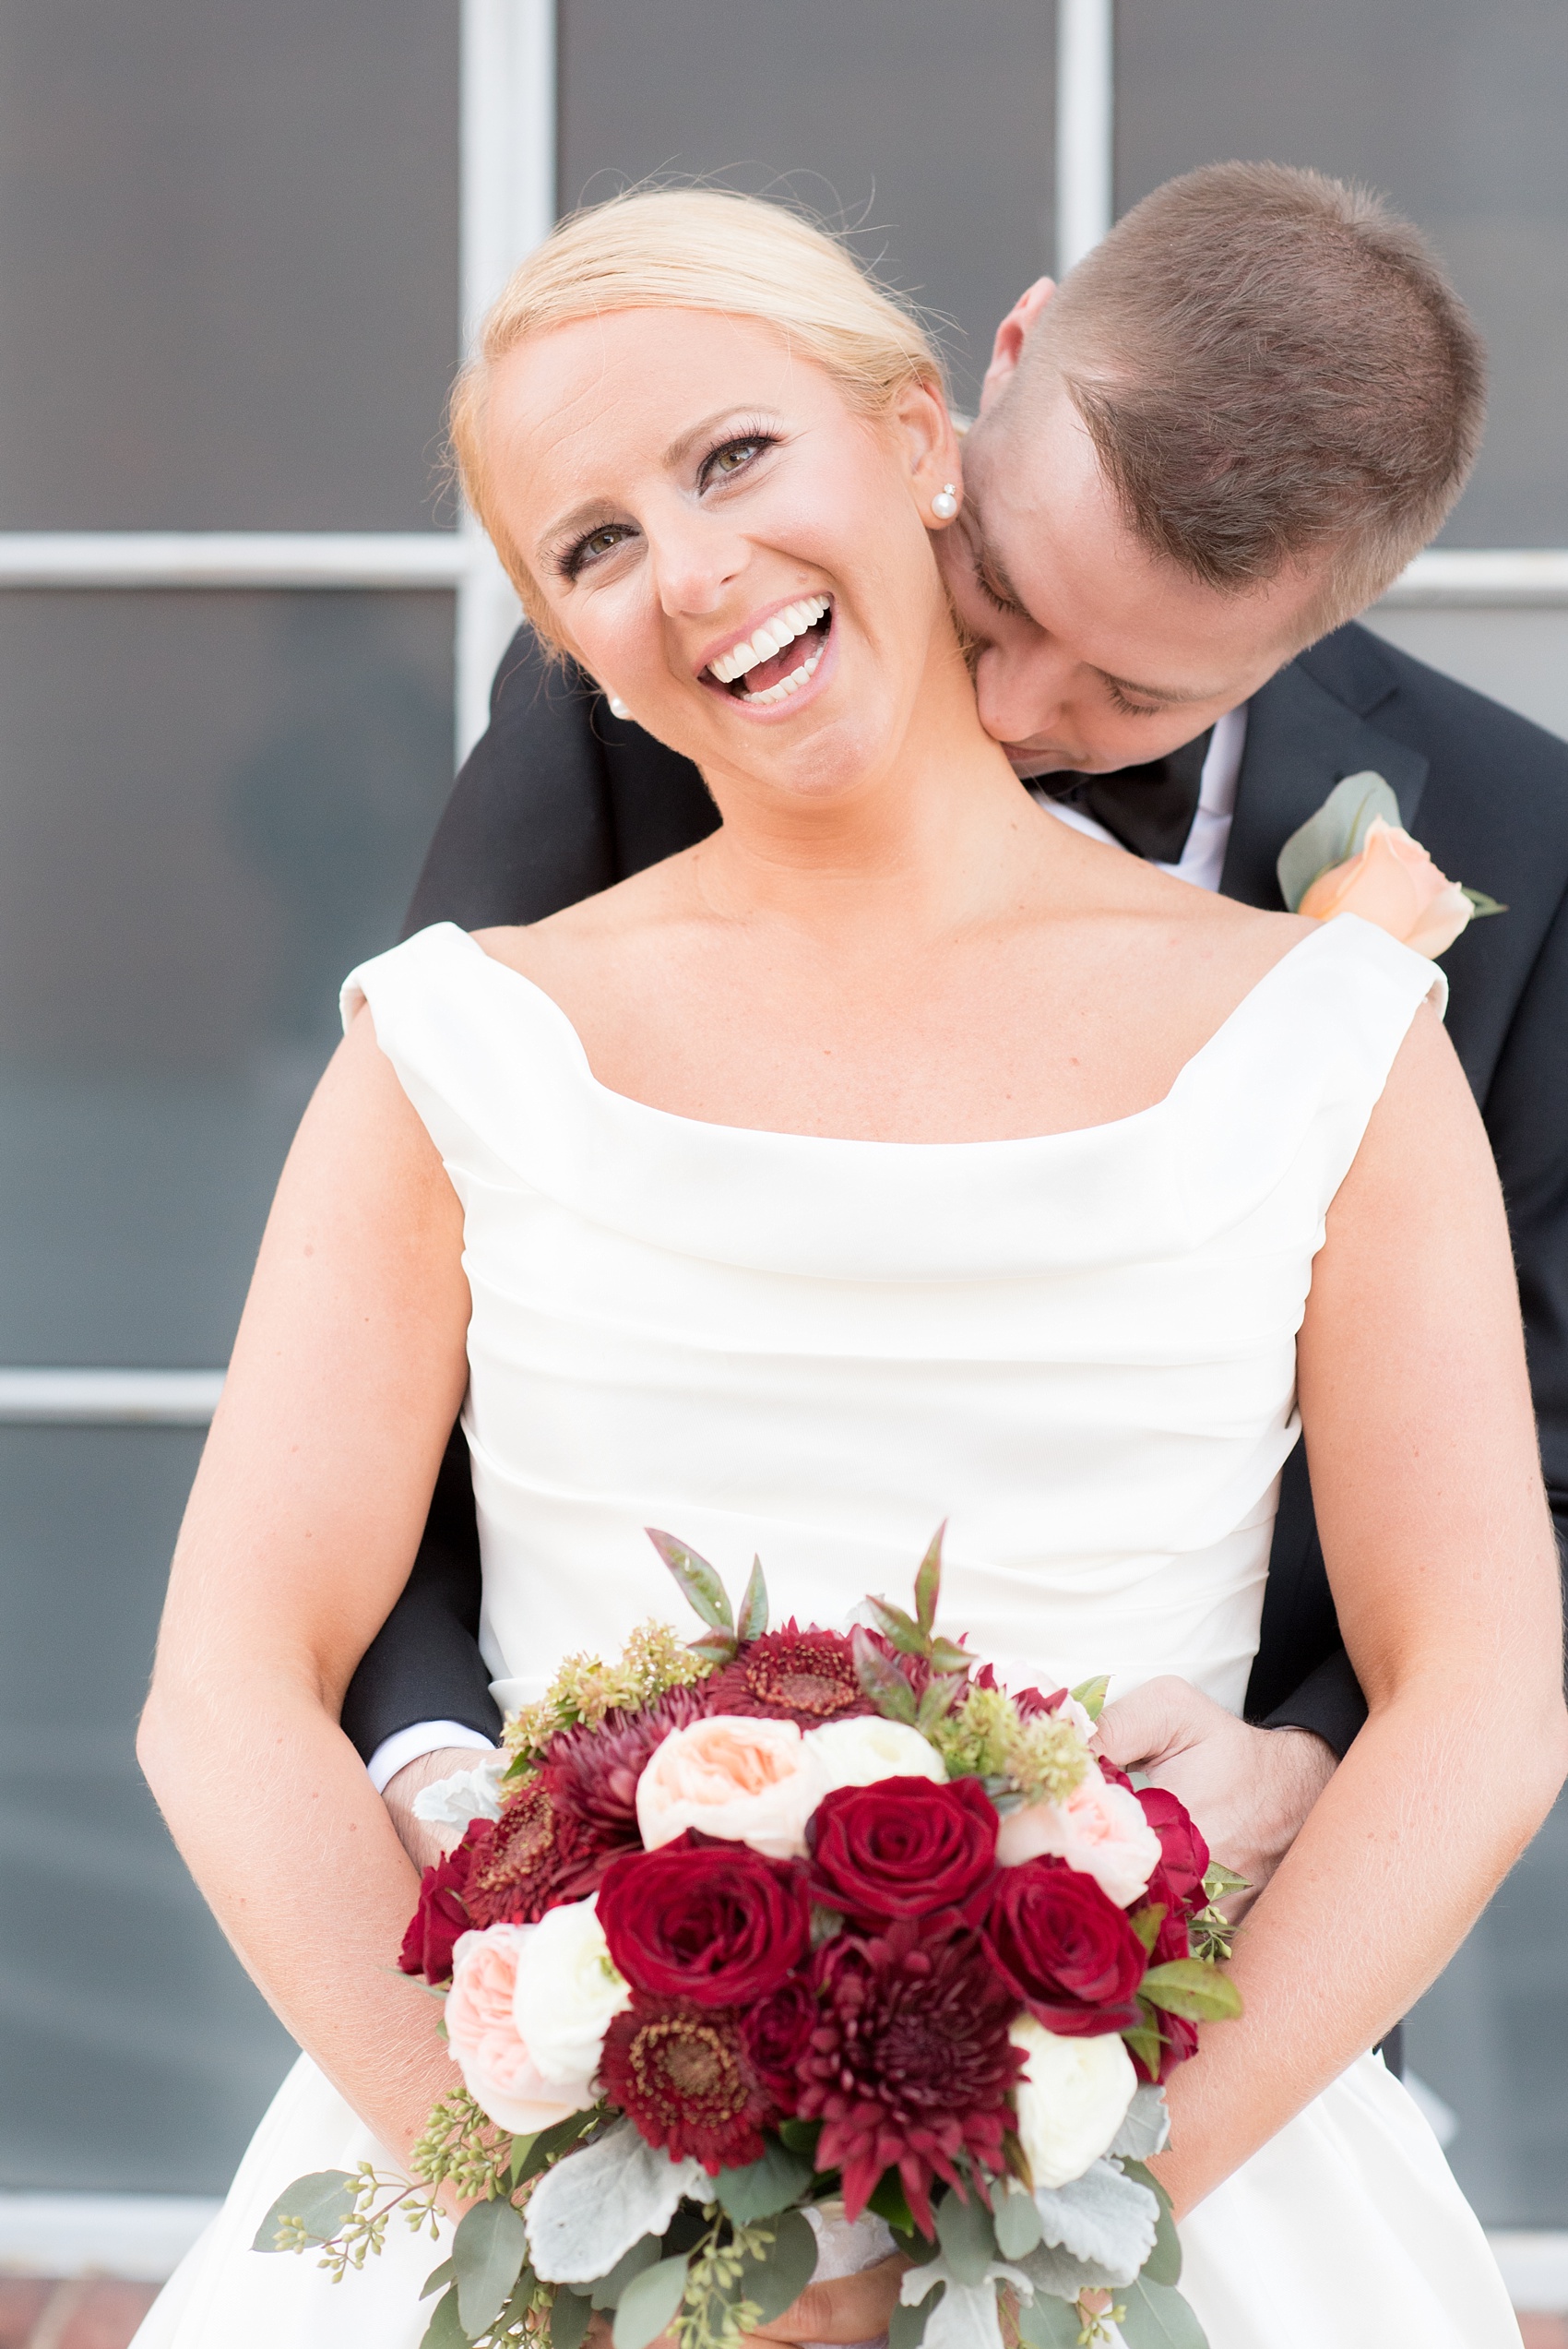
896 1154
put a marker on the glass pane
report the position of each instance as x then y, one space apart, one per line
924 127
211 807
135 2051
229 278
1457 113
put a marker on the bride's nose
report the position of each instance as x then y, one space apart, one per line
696 560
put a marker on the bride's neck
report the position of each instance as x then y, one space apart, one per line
920 834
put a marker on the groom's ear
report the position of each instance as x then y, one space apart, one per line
1011 337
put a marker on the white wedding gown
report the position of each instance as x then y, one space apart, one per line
1079 1349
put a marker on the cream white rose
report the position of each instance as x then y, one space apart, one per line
497 2063
861 1752
1072 2100
567 1991
1100 1830
744 1780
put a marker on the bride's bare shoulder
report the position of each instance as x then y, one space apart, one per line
599 931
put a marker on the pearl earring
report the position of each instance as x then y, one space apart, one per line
618 708
944 504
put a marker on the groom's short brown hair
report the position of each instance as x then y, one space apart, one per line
1271 366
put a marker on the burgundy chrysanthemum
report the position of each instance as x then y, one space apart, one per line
530 1859
592 1772
685 2078
804 1677
910 2064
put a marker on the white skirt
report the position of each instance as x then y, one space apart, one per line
1346 2231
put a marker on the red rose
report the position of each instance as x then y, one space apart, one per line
904 1848
439 1918
1183 1852
1065 1948
713 1922
777 2034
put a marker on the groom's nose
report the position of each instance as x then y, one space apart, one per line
1022 692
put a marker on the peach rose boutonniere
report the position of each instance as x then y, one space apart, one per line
1353 857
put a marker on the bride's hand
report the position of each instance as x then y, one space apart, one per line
1249 1790
423 1842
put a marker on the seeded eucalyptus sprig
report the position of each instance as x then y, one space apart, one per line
702 1587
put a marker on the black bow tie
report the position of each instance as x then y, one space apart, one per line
1149 809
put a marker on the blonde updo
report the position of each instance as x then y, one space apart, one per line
691 249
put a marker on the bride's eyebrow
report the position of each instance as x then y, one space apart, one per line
749 420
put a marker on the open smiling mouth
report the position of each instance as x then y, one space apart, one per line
780 658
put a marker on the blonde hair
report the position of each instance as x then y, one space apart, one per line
691 249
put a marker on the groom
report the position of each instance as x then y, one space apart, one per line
1222 438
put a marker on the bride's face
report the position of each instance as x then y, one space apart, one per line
725 545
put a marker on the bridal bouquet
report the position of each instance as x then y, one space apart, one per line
767 1956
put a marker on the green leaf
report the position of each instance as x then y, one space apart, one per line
945 1655
1016 2217
783 2272
570 2315
436 2278
1190 1988
942 1694
544 2148
1145 2042
800 2136
882 1681
1480 903
1220 1881
319 2202
888 2200
697 1579
1335 834
1164 2263
1158 2318
928 1582
1091 1694
1147 1923
488 2252
905 2327
720 1645
648 2304
764 2187
521 2148
1046 2322
609 2292
753 1607
966 2236
445 2330
900 1628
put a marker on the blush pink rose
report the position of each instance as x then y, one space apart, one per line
1100 1830
1392 881
743 1780
498 2069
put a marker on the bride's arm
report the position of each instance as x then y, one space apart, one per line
347 1374
1426 1482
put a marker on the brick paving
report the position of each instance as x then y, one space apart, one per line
95 2312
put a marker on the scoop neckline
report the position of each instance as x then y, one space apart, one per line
674 1118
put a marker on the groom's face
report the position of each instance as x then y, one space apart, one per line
1091 651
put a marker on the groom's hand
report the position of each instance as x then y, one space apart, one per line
424 1842
1248 1789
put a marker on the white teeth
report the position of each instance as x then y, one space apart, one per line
769 640
787 686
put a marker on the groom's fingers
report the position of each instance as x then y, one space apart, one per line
850 2309
1162 1718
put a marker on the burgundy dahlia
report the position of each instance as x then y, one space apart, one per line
714 1923
804 1677
685 2076
910 2064
593 1773
1065 1948
528 1860
440 1917
904 1847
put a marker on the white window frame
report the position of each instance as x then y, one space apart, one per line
508 205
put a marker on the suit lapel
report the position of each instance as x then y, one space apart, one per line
1301 740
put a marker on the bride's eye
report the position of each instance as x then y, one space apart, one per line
594 547
734 457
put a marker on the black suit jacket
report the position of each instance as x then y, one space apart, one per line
560 799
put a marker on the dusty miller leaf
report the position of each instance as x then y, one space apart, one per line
1103 2216
1145 2125
698 1582
591 2208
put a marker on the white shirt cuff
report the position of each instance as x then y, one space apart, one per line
405 1746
